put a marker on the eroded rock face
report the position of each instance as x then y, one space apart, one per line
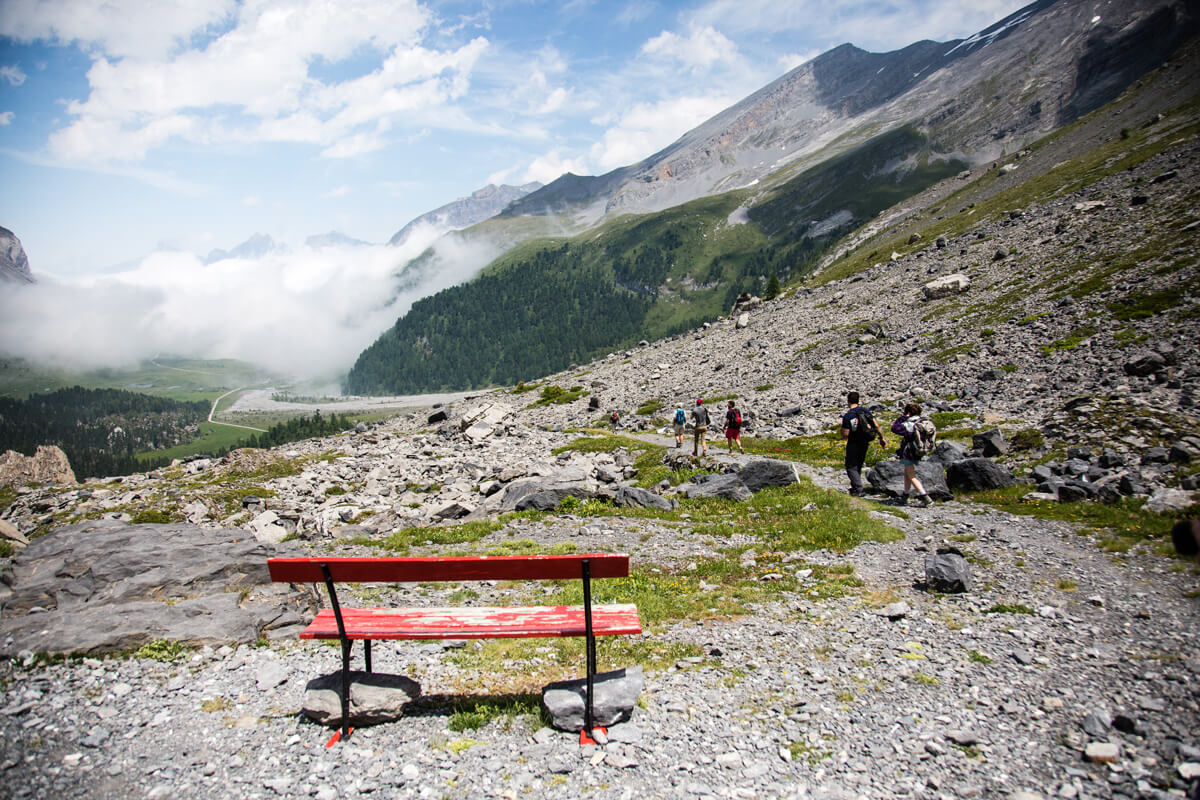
107 586
48 465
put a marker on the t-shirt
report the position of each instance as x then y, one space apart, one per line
860 423
700 417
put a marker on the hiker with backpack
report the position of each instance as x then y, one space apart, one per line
680 421
918 438
614 419
859 429
699 428
733 428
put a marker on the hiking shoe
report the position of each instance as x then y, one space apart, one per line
925 501
902 500
857 492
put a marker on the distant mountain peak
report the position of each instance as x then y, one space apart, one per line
14 264
481 204
334 239
257 246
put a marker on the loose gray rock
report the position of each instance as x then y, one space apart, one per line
975 474
888 478
764 472
728 485
375 697
616 694
634 497
947 571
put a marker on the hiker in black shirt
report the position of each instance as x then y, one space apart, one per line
859 430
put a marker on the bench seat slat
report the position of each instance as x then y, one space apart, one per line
475 623
450 568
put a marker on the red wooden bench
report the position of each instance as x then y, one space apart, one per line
368 624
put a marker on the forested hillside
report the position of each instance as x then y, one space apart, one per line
100 430
639 277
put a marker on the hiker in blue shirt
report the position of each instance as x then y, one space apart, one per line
680 422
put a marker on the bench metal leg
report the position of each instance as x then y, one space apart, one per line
591 645
337 615
367 653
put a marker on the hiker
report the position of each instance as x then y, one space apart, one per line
733 428
859 429
614 419
680 421
699 427
910 453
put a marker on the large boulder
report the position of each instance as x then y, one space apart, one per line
888 478
1145 362
48 465
545 492
728 486
990 443
375 697
763 472
108 586
633 497
947 453
947 286
614 694
975 474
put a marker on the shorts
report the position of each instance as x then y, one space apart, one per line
733 433
908 462
678 429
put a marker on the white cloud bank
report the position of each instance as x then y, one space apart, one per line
227 73
306 312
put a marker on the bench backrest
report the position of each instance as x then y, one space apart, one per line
459 568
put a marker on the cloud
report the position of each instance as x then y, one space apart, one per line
647 128
547 167
12 74
121 28
340 191
790 61
254 81
307 312
251 200
874 26
6 117
701 49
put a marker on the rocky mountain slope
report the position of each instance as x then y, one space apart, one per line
1011 83
14 264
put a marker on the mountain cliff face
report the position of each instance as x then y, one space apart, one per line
14 264
1007 85
465 211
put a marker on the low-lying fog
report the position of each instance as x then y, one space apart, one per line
305 312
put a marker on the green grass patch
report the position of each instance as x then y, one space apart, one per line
558 395
1124 522
1071 340
473 713
649 406
162 650
1143 305
1008 608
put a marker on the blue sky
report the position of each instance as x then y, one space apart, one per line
135 135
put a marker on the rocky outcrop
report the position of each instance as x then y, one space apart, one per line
108 586
14 264
48 465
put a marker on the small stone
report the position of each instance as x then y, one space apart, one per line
1102 752
1189 770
